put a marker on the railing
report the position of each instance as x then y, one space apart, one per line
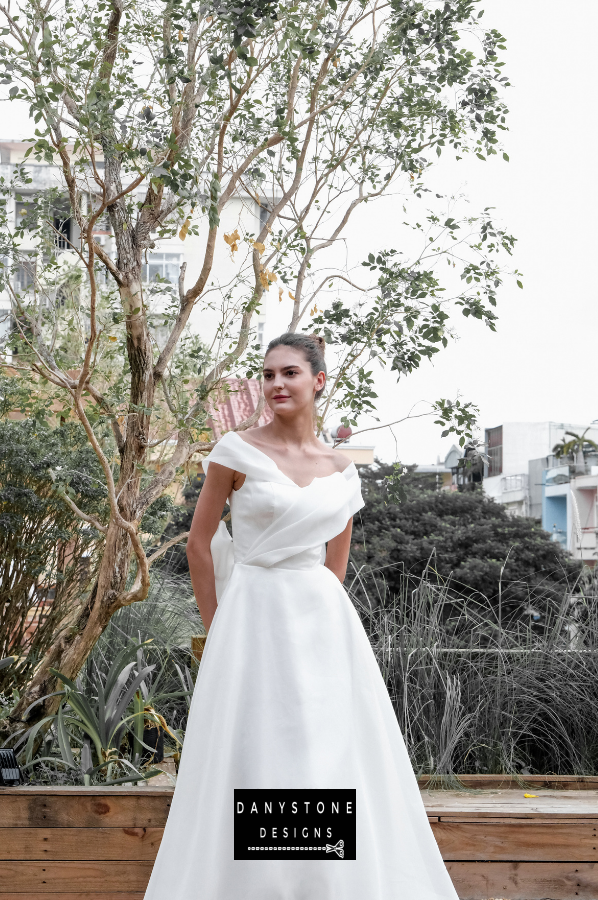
513 483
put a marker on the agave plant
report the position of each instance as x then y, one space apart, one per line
154 691
97 723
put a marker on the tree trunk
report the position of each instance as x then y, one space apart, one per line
78 636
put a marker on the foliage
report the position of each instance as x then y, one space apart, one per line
465 541
98 732
575 447
473 695
155 115
48 556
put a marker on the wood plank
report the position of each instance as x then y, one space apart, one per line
523 841
571 804
143 808
79 843
53 877
517 820
124 790
518 783
524 881
61 895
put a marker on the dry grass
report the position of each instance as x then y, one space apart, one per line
474 695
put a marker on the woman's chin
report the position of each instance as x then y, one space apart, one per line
286 408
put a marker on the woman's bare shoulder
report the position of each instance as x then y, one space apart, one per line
340 460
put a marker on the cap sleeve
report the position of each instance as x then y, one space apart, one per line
355 500
227 452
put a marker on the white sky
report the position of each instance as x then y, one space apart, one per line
541 365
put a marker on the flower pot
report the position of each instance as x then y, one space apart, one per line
153 736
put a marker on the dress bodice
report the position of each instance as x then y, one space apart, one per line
275 522
255 507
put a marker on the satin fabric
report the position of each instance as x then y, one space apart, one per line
289 695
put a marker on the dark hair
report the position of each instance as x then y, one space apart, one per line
311 345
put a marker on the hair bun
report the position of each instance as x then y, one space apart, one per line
319 342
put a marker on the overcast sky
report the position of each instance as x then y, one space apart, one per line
542 363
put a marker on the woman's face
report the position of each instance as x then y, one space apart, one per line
289 385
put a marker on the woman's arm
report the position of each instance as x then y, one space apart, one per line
216 490
337 552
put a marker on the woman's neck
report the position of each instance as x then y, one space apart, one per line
298 431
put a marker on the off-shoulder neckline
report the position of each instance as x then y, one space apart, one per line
284 475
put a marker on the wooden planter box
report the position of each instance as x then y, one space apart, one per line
498 843
79 843
100 843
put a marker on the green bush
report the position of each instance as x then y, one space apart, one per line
48 554
466 541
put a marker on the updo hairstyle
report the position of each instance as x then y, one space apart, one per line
311 345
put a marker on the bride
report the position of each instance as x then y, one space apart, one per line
294 781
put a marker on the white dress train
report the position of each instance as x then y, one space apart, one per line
289 698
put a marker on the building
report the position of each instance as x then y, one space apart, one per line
569 501
242 213
525 475
445 471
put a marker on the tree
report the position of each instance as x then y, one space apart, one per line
464 539
159 113
575 447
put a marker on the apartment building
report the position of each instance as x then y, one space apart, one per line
526 476
242 212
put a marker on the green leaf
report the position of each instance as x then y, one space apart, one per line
519 284
251 61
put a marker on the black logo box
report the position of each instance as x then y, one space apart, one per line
295 824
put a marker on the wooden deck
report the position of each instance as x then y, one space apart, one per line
502 844
99 844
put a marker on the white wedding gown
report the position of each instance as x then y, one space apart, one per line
289 696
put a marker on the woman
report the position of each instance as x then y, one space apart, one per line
294 781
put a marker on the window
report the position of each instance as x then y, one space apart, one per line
25 273
162 265
25 212
264 213
62 225
494 450
62 234
260 333
5 326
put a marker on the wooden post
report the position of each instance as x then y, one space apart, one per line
198 642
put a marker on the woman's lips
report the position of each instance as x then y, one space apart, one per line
281 397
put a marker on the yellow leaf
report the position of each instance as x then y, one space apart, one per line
280 293
292 296
335 62
259 247
184 229
180 35
112 338
267 278
529 796
233 240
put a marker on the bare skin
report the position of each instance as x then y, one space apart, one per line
289 440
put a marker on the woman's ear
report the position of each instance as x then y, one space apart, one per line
320 381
